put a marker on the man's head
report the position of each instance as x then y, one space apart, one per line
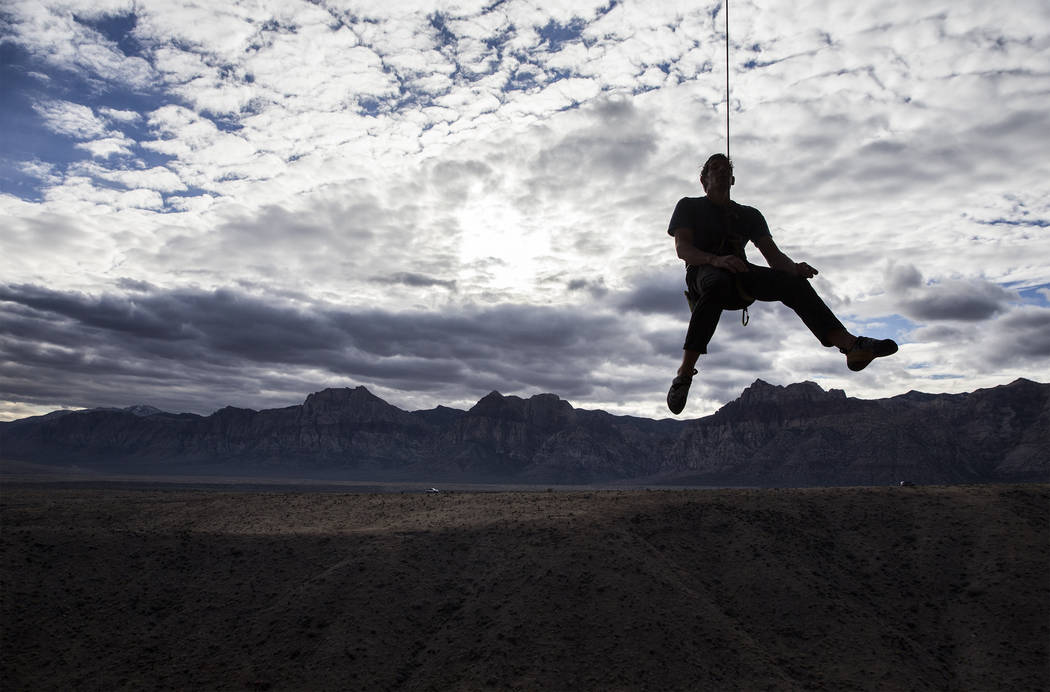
717 169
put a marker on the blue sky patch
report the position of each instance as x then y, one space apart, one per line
556 34
118 29
894 327
438 22
1036 295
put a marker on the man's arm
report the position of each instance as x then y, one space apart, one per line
683 245
776 259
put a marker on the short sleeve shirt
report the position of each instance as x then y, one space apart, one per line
718 230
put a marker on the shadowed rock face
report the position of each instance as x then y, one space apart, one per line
771 435
349 407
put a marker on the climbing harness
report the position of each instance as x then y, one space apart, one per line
745 315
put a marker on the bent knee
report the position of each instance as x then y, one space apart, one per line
715 281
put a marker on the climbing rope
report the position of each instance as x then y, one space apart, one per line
726 7
745 316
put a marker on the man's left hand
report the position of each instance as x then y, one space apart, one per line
805 271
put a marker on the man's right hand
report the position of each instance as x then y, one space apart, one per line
730 263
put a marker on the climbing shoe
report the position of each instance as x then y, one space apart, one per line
679 392
865 349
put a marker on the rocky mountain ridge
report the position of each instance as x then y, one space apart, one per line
791 435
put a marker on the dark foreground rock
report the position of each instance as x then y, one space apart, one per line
840 589
799 435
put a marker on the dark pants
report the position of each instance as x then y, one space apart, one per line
716 290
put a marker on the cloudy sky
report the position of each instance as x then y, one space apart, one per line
212 203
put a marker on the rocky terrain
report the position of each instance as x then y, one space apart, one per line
925 588
799 435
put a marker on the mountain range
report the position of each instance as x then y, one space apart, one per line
794 435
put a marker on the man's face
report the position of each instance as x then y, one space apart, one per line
719 176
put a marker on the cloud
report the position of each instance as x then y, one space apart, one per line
122 116
157 178
596 288
1021 337
1014 342
66 36
901 278
38 169
959 300
188 340
621 145
71 119
660 294
107 147
955 299
416 281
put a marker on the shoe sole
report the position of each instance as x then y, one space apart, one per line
685 398
857 366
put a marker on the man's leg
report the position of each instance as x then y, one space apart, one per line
689 359
798 294
711 285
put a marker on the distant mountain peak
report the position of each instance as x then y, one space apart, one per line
143 410
345 404
1023 382
140 410
494 404
341 392
341 396
761 391
234 410
542 409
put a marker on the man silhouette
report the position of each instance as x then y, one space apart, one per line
710 233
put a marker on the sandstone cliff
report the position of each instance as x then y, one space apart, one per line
771 435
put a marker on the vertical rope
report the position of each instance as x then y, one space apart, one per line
726 7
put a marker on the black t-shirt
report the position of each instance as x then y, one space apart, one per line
717 230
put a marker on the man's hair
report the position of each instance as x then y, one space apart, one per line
712 159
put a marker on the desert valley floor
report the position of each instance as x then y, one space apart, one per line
163 587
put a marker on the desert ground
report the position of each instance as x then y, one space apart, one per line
140 587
